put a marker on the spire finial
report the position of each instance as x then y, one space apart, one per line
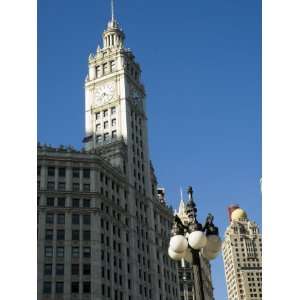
181 194
112 10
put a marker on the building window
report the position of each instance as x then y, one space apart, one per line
75 235
105 125
51 171
39 171
76 187
59 287
47 287
48 269
61 202
113 122
86 173
98 71
105 113
105 68
113 110
112 65
114 134
75 203
61 186
86 269
98 129
76 172
49 218
61 172
86 252
50 185
75 269
86 187
49 235
48 251
105 137
86 287
61 219
86 203
75 287
60 251
60 235
75 251
75 219
86 219
86 235
97 116
59 269
99 138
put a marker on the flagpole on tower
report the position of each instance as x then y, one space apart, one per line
112 10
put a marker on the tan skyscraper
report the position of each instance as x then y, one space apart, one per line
242 253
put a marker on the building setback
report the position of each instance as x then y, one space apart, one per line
103 225
242 255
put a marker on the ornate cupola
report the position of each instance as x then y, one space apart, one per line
113 36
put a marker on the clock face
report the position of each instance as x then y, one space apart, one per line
105 93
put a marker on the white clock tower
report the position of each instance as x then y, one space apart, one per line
115 118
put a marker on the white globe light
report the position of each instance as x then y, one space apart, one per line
197 240
178 243
175 255
210 255
188 256
214 243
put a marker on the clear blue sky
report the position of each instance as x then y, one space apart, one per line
201 63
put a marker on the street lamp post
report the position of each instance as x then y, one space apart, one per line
189 240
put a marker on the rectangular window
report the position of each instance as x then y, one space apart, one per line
61 202
47 287
49 235
114 134
86 287
48 269
105 137
113 122
86 219
76 187
86 173
86 203
61 172
105 113
75 269
113 110
61 186
48 251
86 269
59 287
112 65
98 127
98 71
97 116
60 235
86 235
75 287
105 68
51 171
75 251
75 235
39 171
75 203
99 138
59 269
75 219
61 219
105 125
76 172
86 252
50 186
60 251
49 218
86 187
